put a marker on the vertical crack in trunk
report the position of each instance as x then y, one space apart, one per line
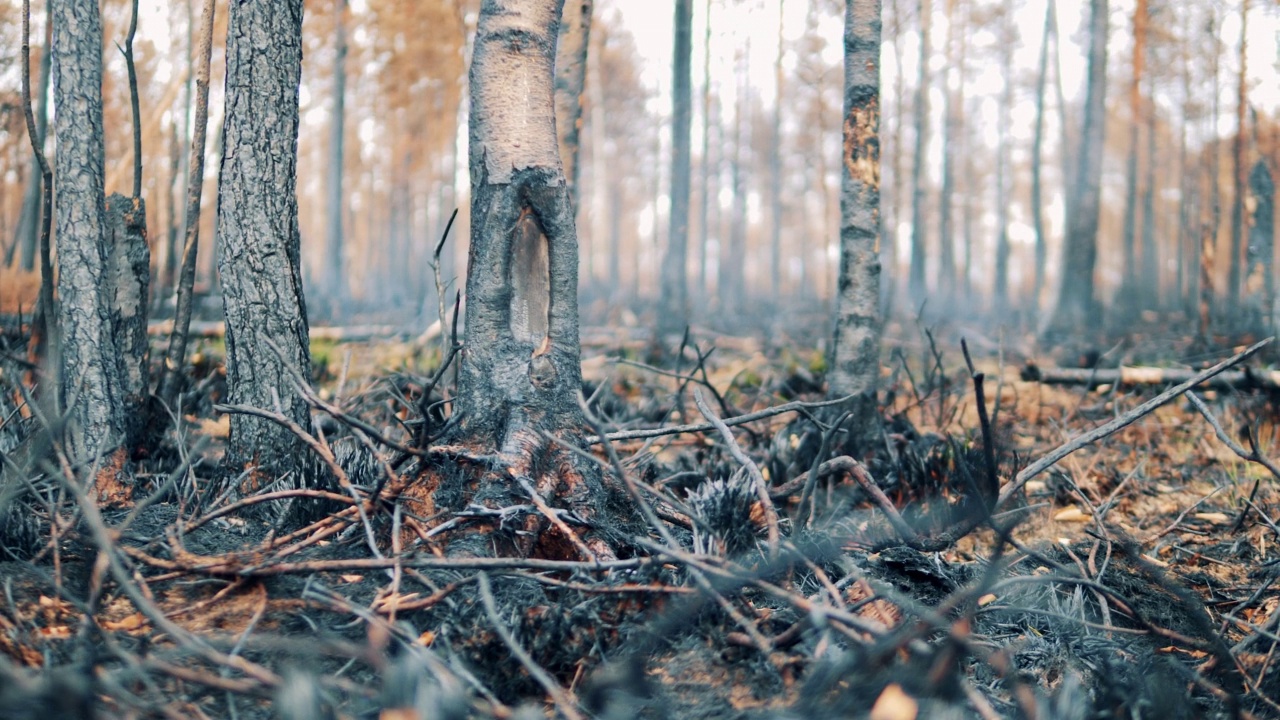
529 275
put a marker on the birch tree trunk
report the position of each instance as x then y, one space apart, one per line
520 375
91 383
257 234
673 315
856 363
1076 304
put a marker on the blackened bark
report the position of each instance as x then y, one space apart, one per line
91 373
856 348
673 316
1076 303
258 232
1209 232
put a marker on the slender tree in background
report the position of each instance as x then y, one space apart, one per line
128 271
176 355
775 168
258 253
1261 280
919 227
705 163
953 99
1076 302
91 383
1037 160
29 219
335 281
733 283
855 368
1209 231
1130 299
1239 171
571 77
673 316
1008 32
1150 284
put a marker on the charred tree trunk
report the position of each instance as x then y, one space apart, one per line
335 280
520 374
919 232
91 384
1076 303
258 234
571 77
856 347
673 313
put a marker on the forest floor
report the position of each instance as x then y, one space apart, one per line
1134 578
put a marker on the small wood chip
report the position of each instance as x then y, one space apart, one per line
1072 514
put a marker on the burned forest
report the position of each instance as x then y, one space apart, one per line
607 359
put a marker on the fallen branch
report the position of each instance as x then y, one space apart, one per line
1123 421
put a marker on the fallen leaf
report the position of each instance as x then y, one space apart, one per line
894 704
1216 518
986 599
131 622
351 578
